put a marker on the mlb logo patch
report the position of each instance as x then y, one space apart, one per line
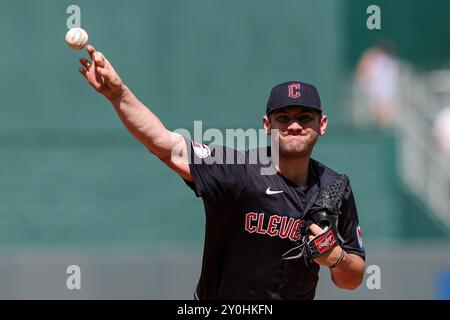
201 150
359 235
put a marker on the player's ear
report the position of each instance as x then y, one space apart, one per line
323 124
266 123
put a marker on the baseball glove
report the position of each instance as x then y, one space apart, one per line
324 213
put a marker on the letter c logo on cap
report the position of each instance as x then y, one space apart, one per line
294 90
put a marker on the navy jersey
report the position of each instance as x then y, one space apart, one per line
252 219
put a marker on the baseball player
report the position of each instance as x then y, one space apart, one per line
266 235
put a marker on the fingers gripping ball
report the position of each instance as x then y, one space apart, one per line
76 38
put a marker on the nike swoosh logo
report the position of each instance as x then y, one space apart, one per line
268 191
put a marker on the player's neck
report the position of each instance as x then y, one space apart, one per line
294 169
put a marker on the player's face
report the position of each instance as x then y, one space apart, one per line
298 129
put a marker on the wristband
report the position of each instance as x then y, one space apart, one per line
339 260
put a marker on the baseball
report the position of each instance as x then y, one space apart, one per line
76 38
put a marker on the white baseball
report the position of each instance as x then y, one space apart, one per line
76 38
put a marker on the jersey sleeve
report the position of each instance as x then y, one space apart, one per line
349 227
219 172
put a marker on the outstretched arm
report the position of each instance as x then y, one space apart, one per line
146 127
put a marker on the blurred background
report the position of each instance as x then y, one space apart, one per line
77 189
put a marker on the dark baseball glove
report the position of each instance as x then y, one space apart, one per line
324 213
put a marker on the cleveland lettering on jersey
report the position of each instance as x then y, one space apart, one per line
283 227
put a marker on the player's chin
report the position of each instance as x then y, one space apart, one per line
294 150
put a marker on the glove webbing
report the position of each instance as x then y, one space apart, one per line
329 200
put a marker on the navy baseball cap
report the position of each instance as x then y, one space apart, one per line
293 93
